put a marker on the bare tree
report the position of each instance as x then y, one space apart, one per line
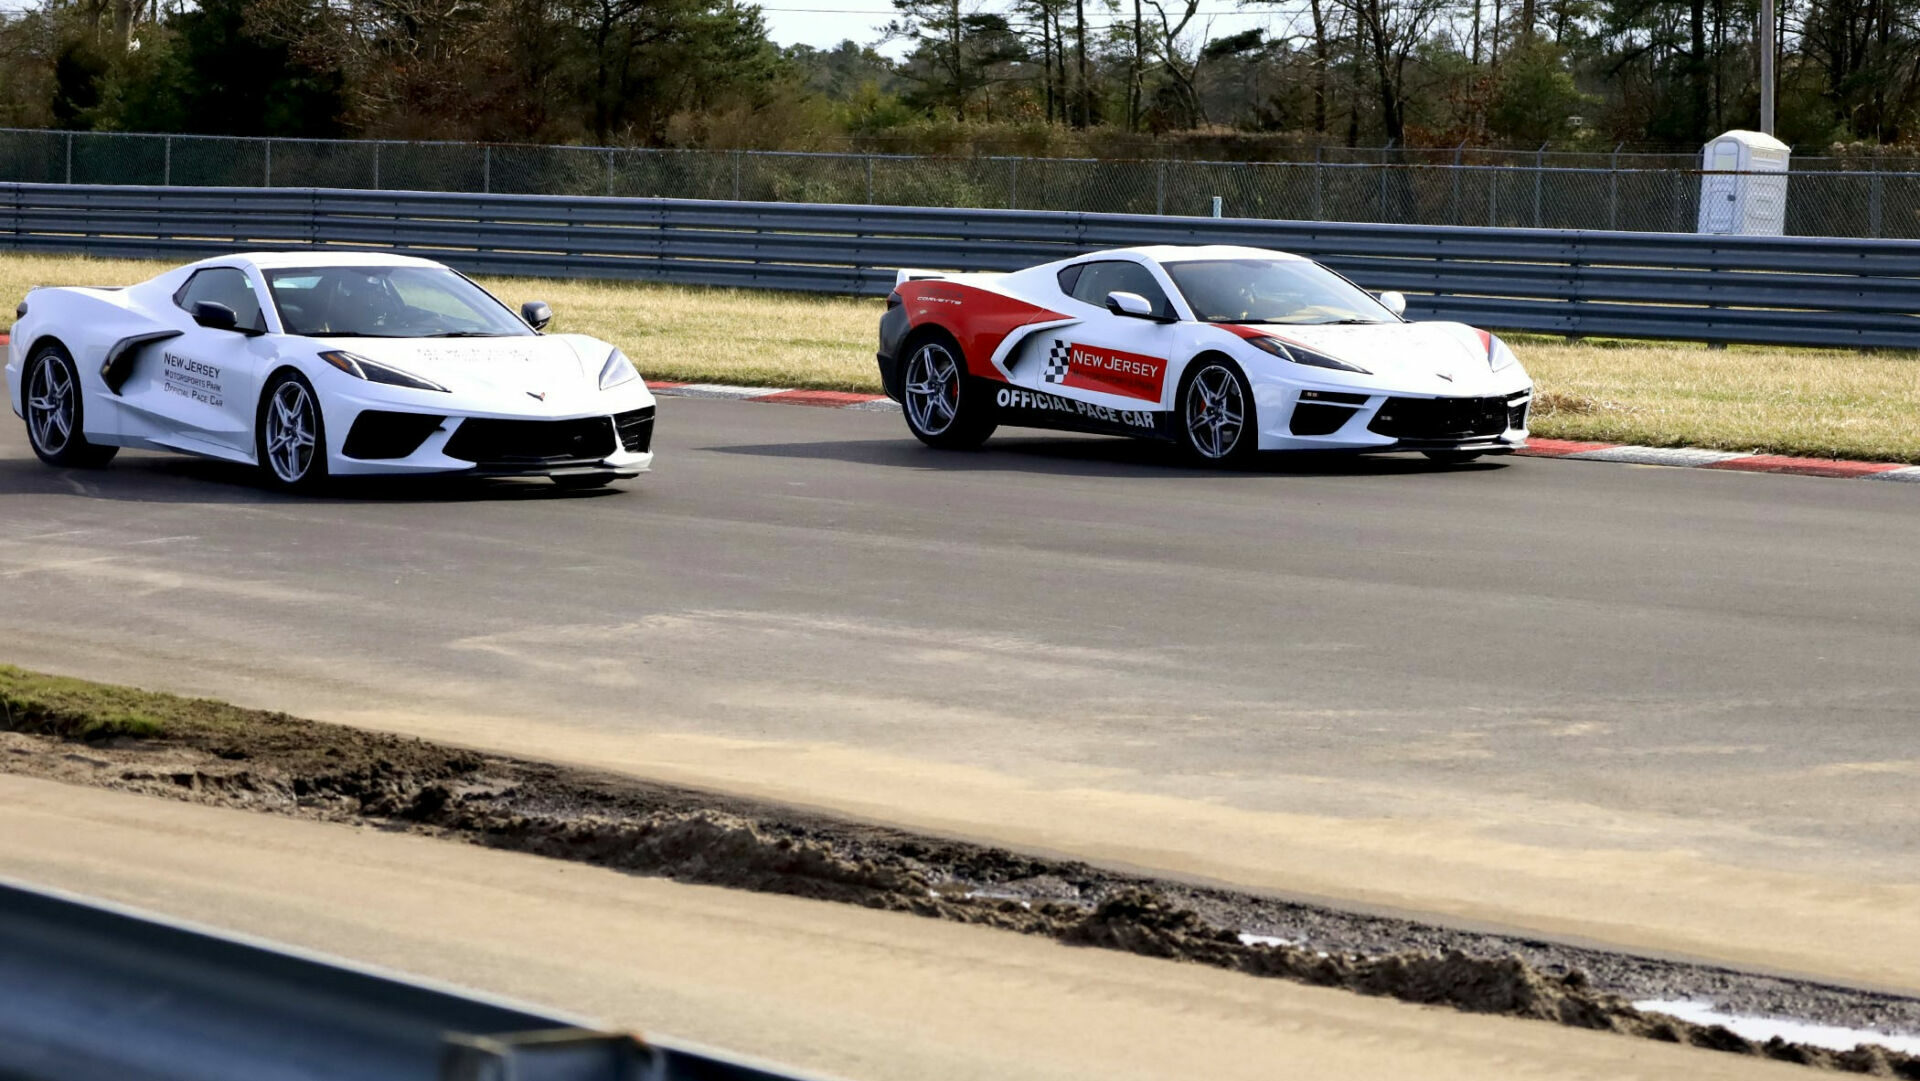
1387 33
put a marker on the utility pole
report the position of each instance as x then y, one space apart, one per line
1767 48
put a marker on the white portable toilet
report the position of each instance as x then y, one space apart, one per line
1743 185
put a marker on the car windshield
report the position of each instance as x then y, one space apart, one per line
1273 291
387 302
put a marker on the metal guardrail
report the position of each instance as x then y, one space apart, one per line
92 992
1764 290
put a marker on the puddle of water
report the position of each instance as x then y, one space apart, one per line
1762 1029
1262 940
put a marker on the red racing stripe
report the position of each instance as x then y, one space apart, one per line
979 319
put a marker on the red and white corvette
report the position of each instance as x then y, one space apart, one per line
1226 350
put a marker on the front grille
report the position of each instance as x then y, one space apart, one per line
636 429
1441 419
378 434
532 442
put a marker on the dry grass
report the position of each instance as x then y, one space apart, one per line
1821 402
1790 401
719 335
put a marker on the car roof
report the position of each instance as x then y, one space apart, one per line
1185 253
273 260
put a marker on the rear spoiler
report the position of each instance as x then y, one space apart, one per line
914 274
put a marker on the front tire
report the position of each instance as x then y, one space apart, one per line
1216 413
289 435
55 413
940 404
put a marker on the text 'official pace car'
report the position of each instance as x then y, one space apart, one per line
313 365
1225 350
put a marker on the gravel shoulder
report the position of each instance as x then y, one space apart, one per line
840 990
209 753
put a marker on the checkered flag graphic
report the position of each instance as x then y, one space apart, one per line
1056 371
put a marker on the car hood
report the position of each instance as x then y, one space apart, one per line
1437 358
559 372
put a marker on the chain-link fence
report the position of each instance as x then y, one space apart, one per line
1461 186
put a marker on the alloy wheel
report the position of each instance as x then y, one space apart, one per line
291 424
1216 411
50 404
933 389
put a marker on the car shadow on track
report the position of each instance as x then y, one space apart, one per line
165 479
1093 456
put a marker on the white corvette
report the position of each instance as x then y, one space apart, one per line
313 365
1225 350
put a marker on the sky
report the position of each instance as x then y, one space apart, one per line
797 22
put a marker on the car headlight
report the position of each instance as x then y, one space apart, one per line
375 372
617 370
1498 355
1301 355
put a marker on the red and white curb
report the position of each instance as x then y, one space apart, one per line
1680 457
830 399
1698 458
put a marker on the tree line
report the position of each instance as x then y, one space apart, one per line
1039 76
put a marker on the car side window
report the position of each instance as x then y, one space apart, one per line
223 285
1096 280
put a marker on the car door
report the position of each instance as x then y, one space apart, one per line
198 391
1106 361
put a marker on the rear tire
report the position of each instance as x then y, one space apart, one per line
1452 457
55 413
944 409
289 434
1217 423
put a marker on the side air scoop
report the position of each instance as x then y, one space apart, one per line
118 366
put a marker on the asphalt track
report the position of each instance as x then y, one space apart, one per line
1673 710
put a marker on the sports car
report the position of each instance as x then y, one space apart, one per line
317 365
1225 350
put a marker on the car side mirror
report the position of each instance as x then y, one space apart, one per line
1131 305
537 314
215 316
1394 302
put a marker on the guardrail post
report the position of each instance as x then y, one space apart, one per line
609 171
736 176
166 162
1013 183
269 172
69 157
1875 189
1160 188
376 166
869 179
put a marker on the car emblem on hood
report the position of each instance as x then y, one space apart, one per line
537 395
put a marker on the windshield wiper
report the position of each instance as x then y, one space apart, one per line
1346 323
465 334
